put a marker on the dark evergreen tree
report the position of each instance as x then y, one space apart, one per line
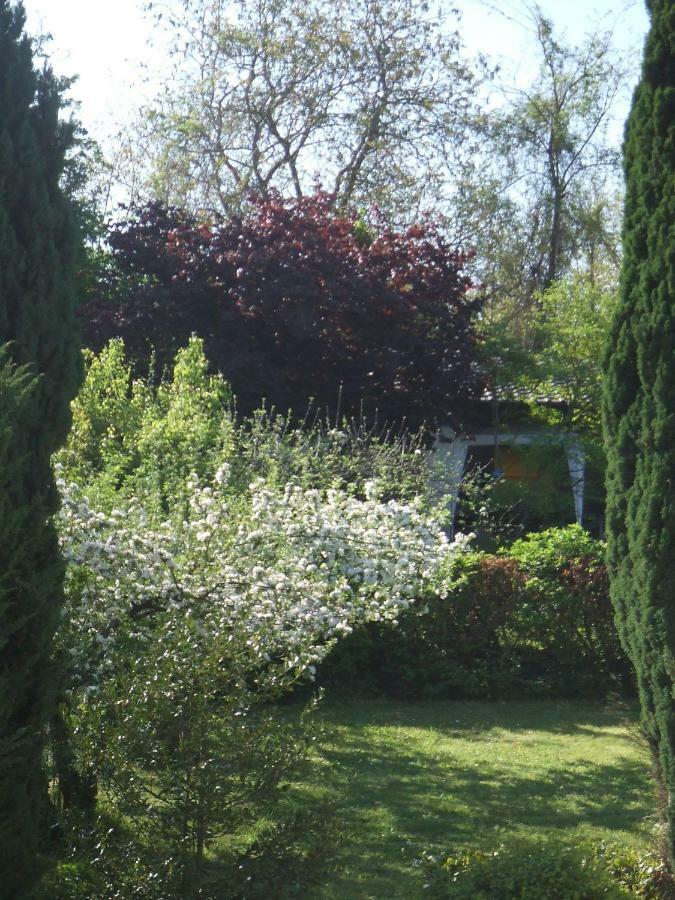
38 252
639 404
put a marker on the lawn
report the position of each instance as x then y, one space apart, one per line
428 776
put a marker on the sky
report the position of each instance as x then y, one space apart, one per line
106 44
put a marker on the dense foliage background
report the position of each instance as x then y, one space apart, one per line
248 512
535 620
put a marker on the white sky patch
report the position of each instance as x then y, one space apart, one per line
105 43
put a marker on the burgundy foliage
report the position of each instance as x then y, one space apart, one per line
297 302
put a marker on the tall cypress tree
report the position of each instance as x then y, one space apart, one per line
38 251
639 404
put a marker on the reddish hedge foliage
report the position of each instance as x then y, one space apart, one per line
297 301
476 615
500 632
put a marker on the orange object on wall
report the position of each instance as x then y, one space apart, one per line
515 466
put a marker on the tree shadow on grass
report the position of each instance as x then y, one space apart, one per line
398 799
456 718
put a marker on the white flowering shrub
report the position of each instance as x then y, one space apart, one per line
212 564
181 632
291 570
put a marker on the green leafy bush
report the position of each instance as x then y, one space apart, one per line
70 881
133 438
563 627
523 869
642 874
130 438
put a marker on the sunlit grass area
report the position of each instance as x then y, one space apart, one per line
406 778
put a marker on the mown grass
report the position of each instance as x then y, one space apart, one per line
406 778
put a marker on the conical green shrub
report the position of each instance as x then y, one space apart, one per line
38 252
639 404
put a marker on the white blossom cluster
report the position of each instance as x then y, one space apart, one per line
279 574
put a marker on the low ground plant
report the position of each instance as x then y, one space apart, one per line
546 867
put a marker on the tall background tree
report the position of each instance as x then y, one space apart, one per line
542 202
38 256
639 405
371 96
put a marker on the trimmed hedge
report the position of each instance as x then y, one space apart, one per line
534 620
